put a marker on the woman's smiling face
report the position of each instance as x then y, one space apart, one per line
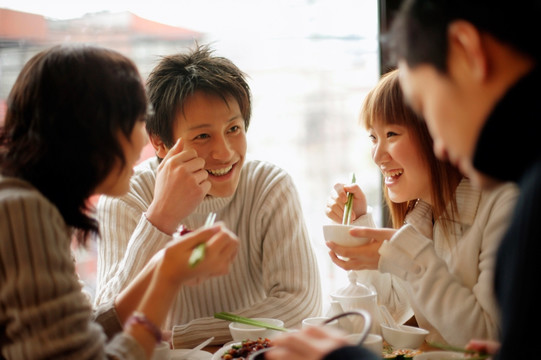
215 129
397 153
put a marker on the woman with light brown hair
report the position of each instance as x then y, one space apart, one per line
439 256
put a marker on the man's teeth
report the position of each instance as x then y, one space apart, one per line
220 172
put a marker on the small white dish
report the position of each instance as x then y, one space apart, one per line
240 332
178 354
405 337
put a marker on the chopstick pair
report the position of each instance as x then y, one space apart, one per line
346 220
198 253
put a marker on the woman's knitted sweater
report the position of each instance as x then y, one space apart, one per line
43 312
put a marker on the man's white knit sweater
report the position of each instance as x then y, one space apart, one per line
275 273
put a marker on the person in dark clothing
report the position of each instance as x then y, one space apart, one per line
471 69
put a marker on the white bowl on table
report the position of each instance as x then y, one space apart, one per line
373 342
318 321
405 337
241 332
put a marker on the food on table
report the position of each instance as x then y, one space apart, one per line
400 353
244 349
182 229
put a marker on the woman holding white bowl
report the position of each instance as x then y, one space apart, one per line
439 256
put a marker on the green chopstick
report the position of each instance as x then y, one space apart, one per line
243 320
198 253
349 204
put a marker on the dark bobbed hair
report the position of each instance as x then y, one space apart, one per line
418 33
64 114
177 77
385 104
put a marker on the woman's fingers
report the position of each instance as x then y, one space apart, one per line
359 257
335 210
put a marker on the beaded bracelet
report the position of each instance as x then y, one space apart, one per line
139 318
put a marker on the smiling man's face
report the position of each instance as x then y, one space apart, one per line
215 129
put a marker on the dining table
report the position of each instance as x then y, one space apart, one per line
212 348
424 347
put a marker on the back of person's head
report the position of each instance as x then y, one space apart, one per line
64 114
418 33
385 104
177 77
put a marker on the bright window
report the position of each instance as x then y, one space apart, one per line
309 62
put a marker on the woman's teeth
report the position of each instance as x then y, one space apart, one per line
220 172
392 174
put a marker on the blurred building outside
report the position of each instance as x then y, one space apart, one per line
307 91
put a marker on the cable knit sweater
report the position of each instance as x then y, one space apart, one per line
275 273
451 279
43 311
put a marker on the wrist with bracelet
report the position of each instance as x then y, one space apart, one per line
139 318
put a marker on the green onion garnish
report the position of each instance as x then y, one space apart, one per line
243 320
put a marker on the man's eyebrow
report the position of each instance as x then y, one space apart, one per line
207 125
200 126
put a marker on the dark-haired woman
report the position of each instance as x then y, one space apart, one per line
74 127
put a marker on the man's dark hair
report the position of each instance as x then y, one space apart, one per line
418 33
177 77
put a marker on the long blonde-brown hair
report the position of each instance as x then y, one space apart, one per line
385 103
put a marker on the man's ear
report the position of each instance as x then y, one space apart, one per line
159 146
466 45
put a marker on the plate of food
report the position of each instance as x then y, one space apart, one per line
241 350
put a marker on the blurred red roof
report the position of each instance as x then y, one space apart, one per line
16 25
